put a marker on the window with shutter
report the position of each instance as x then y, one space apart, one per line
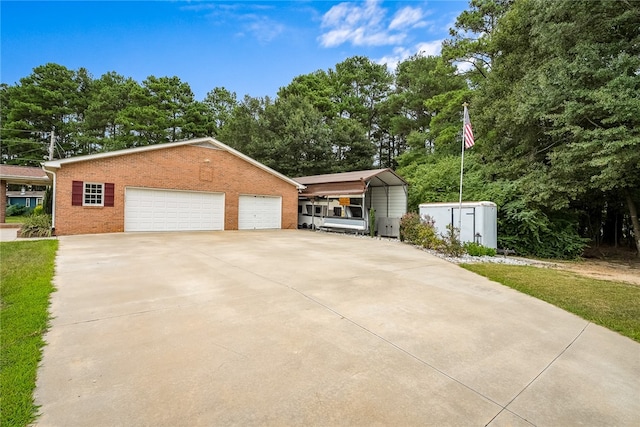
92 194
109 194
77 189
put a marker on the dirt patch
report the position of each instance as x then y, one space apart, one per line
620 271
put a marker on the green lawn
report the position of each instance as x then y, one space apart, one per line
26 272
614 305
14 219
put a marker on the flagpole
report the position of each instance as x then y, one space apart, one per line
465 105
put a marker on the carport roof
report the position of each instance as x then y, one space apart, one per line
23 175
348 183
57 164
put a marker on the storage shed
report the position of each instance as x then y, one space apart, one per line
199 184
479 220
343 201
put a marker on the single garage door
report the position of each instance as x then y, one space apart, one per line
259 212
170 210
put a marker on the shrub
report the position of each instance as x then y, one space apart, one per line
36 226
38 210
372 222
419 231
16 210
409 227
450 243
476 249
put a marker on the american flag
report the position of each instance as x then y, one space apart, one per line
468 132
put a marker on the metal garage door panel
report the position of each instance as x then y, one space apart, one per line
169 210
259 212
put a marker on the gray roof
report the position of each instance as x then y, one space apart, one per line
387 176
23 175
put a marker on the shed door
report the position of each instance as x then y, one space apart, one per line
259 212
169 210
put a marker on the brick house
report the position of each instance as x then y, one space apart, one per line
199 184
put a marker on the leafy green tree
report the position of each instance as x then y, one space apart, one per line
472 37
47 100
359 87
243 130
351 147
220 104
428 100
315 87
298 139
560 105
111 95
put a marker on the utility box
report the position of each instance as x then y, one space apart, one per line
479 220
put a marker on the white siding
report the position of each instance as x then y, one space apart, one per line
397 205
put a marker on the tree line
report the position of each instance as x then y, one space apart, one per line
553 93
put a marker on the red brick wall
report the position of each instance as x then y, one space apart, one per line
180 168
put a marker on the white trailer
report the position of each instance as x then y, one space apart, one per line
479 220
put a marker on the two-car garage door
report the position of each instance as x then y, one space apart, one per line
170 210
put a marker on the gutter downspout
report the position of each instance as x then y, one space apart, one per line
53 200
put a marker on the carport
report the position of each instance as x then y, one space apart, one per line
343 201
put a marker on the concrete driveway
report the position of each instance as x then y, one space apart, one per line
300 328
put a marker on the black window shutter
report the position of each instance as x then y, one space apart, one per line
109 194
76 193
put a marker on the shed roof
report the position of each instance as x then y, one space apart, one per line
348 183
23 175
211 142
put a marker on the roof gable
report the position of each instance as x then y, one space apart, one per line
200 142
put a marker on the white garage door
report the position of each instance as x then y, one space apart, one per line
169 210
259 212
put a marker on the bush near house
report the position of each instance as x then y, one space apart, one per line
422 232
476 249
36 226
419 231
17 210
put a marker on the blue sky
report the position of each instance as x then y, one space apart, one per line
248 47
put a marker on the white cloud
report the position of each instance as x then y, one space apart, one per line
463 66
262 28
402 53
391 61
407 17
365 24
431 48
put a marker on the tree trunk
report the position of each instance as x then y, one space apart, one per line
634 220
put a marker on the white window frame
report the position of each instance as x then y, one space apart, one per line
27 202
38 201
99 194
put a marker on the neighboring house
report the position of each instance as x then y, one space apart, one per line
343 201
200 184
23 175
30 199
